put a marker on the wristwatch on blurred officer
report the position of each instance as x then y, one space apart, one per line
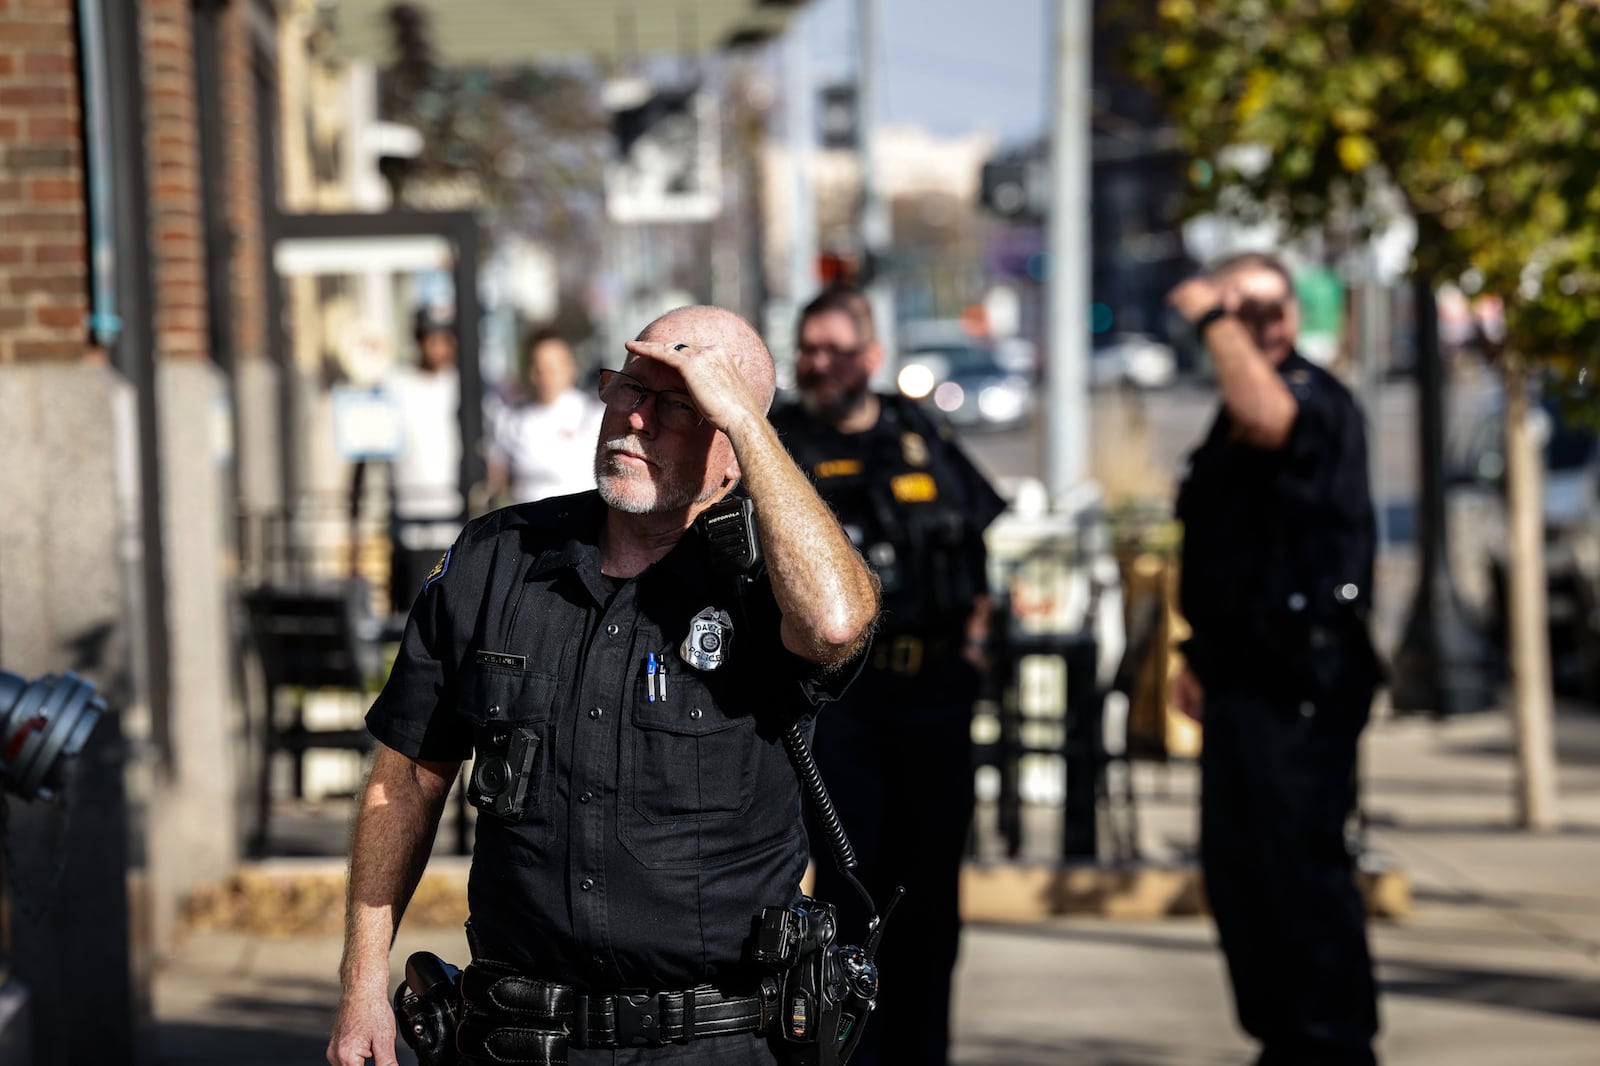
1207 320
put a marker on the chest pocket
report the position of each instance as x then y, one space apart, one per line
692 761
509 710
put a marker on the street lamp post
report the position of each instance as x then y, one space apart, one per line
1442 665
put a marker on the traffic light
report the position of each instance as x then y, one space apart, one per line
1014 186
837 117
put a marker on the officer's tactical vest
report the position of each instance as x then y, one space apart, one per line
899 497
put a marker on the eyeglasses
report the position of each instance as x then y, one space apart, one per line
832 351
624 392
1262 312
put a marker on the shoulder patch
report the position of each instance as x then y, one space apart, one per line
439 569
837 468
918 487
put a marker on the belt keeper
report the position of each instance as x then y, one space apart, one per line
688 1016
580 1019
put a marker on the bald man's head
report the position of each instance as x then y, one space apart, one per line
706 327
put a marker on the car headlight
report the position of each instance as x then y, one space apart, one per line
1002 403
949 397
915 380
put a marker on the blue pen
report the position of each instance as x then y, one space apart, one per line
650 677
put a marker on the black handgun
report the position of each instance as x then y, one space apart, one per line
427 1009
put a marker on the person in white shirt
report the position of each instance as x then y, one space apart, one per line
542 443
425 476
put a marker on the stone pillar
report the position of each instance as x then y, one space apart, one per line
194 811
64 606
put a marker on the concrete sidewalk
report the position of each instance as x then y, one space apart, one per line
1498 963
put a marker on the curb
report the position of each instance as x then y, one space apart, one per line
297 897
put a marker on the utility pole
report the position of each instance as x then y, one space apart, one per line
1441 664
1067 409
798 116
874 224
1528 610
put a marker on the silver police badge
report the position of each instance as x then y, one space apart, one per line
706 646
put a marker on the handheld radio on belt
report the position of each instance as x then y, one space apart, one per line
817 994
823 990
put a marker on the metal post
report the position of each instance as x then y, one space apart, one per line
1067 410
135 354
1528 613
797 114
1440 666
465 279
874 225
1082 750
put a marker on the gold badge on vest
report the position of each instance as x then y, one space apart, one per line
914 449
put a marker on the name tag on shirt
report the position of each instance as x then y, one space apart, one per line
500 658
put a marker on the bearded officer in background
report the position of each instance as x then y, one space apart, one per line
896 753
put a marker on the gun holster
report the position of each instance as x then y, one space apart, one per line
427 1008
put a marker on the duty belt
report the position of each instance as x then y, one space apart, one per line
517 1019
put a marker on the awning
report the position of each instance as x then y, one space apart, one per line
493 32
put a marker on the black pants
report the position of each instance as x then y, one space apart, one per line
896 755
1277 785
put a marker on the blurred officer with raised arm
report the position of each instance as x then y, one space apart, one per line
1277 582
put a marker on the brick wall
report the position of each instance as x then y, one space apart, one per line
172 141
44 279
242 184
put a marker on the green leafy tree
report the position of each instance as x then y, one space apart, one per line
1482 115
1480 119
527 142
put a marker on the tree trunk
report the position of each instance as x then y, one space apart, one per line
1529 627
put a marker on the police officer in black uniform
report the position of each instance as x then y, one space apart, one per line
897 752
1276 583
623 702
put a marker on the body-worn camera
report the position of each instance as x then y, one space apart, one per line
501 772
824 990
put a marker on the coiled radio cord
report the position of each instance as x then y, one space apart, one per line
844 856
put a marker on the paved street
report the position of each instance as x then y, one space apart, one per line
1498 963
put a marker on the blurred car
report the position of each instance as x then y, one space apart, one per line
1571 533
1132 359
968 383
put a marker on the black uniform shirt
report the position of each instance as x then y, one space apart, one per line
655 831
911 501
1278 544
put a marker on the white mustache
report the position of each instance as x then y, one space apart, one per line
628 444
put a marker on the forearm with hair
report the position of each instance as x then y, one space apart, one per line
825 591
1260 403
394 831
